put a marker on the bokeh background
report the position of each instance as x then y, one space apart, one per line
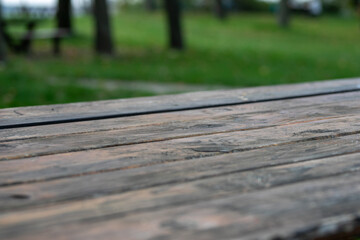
226 44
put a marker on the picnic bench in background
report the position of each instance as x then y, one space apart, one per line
276 162
21 43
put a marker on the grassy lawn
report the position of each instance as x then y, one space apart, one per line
245 50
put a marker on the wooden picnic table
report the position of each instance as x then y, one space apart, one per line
276 162
21 43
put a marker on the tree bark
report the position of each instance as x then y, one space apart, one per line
173 13
220 10
63 15
103 36
284 14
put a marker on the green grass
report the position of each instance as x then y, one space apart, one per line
245 50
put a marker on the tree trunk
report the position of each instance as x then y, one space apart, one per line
103 36
2 43
150 5
220 10
2 49
173 13
284 13
63 15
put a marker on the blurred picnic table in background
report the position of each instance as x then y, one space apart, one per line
245 48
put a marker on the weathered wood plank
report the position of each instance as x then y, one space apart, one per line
17 117
303 210
172 129
134 156
87 183
283 106
245 171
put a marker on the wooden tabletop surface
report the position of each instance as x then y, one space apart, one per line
271 163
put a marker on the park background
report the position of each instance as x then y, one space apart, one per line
247 47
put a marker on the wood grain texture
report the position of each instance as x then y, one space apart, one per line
154 153
206 180
303 210
16 117
231 120
284 107
99 183
254 169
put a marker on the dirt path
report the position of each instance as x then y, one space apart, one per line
152 87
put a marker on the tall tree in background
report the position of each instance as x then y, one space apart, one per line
2 43
173 12
63 15
284 13
220 10
103 36
150 5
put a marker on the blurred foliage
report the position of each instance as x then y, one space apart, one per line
244 50
203 5
250 5
329 6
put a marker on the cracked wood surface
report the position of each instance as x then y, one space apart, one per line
277 162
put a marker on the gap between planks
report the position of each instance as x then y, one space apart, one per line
65 190
135 156
176 129
352 168
107 170
184 116
190 196
142 106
